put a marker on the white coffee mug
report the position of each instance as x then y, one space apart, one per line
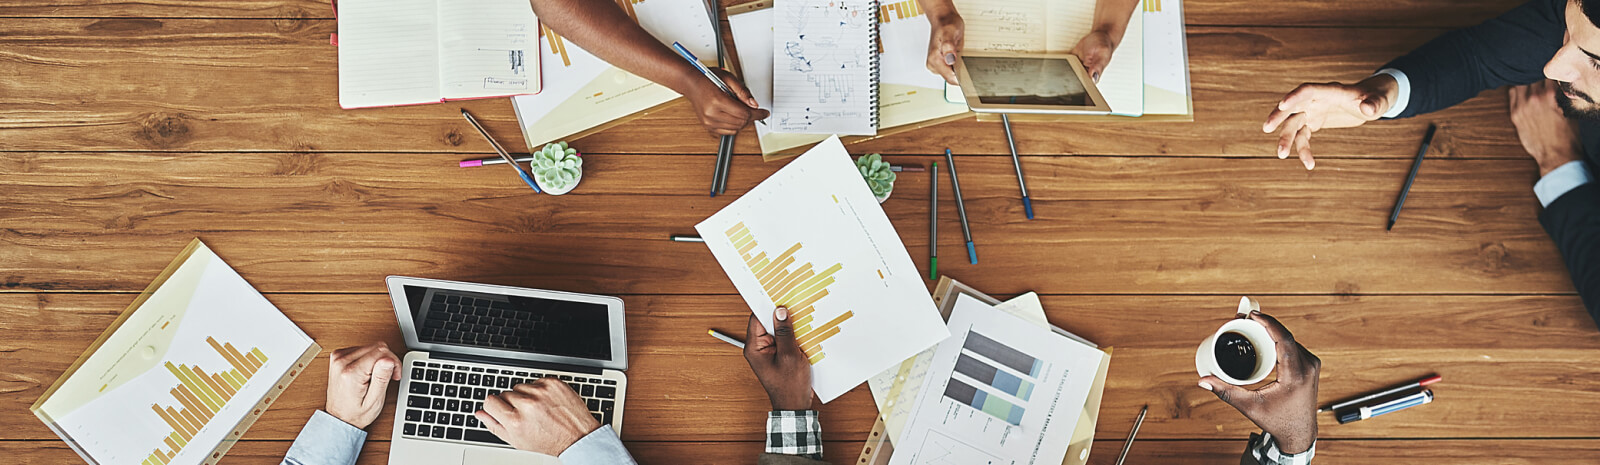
1205 358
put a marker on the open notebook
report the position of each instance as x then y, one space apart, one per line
409 52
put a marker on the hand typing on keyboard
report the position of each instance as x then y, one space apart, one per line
358 380
542 415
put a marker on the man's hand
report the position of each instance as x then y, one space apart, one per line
541 416
1287 407
778 362
721 114
1313 107
358 380
1546 132
944 42
1095 51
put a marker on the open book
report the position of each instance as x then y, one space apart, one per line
409 52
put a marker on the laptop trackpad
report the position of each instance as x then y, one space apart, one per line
487 456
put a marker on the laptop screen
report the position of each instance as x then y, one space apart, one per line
510 323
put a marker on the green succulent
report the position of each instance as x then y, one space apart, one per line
877 172
557 166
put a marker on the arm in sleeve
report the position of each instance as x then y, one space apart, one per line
325 440
601 446
1264 451
794 437
1573 222
1507 50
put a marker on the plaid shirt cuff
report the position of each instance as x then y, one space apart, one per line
794 432
1265 450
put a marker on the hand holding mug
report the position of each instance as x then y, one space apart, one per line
1285 408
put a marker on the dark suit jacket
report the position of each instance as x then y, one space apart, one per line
1512 50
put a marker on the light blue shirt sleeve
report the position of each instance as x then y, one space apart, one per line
1402 95
1561 180
601 446
325 440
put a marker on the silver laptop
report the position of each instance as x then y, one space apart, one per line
467 341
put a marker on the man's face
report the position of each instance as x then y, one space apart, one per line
1576 66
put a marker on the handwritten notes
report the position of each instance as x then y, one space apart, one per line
407 52
825 67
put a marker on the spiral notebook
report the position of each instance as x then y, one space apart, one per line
825 71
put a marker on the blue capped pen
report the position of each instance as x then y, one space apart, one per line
502 151
961 207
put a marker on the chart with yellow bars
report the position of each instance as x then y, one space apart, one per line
795 287
200 395
1153 6
904 9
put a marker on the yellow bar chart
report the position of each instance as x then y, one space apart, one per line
201 395
795 287
903 9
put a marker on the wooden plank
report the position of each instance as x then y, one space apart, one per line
341 222
260 85
1513 366
1361 13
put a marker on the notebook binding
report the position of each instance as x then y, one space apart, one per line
872 64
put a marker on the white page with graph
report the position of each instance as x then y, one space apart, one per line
825 71
813 238
409 52
180 371
1001 390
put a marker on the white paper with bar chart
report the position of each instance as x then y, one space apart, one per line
176 379
813 238
1000 391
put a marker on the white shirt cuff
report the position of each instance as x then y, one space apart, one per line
326 440
1560 181
601 446
1402 96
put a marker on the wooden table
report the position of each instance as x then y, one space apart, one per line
131 127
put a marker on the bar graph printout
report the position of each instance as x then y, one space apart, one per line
813 239
180 372
1007 388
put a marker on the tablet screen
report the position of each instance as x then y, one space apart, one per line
1026 81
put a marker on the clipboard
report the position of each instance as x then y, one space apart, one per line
234 433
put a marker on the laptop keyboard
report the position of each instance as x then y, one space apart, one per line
443 397
496 324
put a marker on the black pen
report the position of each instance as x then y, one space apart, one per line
1415 164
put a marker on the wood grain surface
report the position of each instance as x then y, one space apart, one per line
127 128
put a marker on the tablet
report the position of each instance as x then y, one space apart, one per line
995 82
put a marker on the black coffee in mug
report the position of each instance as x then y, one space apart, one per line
1236 355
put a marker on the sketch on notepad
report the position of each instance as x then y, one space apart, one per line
826 81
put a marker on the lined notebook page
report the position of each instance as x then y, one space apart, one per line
824 67
1011 26
1069 21
388 53
487 48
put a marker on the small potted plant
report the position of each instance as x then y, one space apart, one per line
878 173
557 168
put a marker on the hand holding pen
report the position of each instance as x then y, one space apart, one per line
721 102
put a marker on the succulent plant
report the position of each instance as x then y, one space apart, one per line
877 173
557 166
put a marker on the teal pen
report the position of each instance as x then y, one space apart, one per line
502 151
961 208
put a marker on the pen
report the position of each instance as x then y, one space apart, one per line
1027 204
719 177
1412 385
502 151
1422 397
961 207
677 238
725 338
495 161
1129 443
933 224
908 169
1415 165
